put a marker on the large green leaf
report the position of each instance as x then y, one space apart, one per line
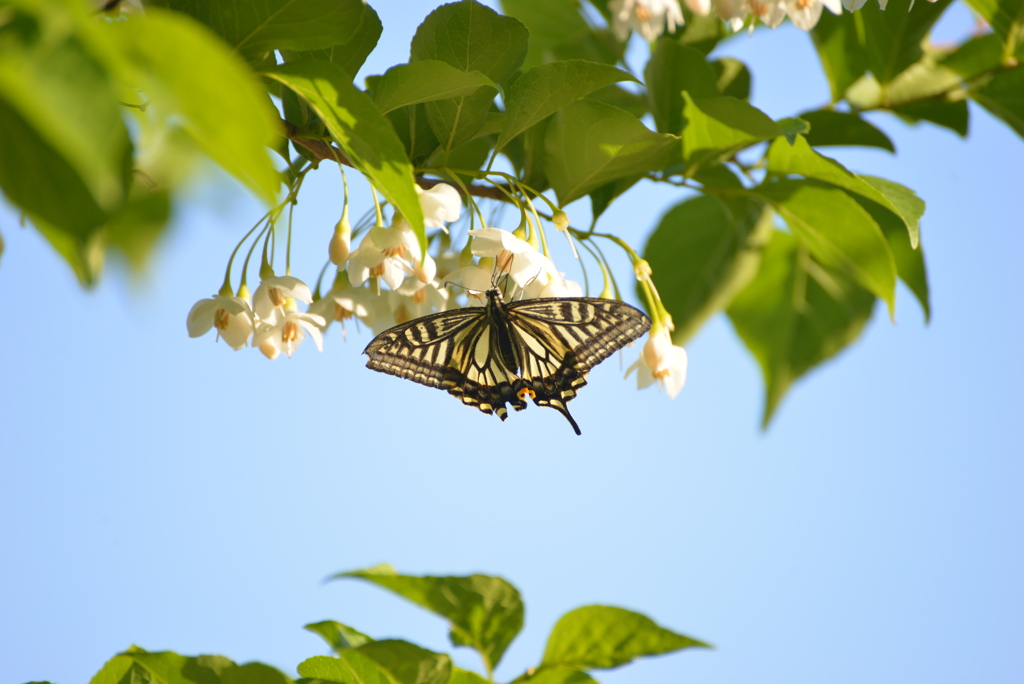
340 637
423 81
559 31
253 673
839 128
842 56
485 612
349 55
167 667
733 77
604 637
556 675
57 83
134 230
408 663
469 37
951 114
798 158
366 137
703 252
1003 96
545 89
716 128
351 667
460 676
1006 17
255 28
892 38
589 144
974 57
190 78
673 68
114 671
795 314
837 231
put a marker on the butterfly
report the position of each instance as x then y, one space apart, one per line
497 354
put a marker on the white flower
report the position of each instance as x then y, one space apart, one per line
287 332
646 17
274 291
661 361
854 5
385 253
441 204
805 13
230 315
342 303
415 299
511 255
557 286
701 7
476 280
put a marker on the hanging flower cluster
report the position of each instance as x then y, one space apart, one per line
650 18
382 278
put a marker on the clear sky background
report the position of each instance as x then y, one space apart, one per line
174 494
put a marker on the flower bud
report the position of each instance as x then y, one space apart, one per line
561 220
642 269
341 241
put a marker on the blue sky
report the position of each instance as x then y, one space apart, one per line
174 494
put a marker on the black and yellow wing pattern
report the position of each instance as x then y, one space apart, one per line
499 354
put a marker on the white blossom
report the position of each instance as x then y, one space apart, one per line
441 204
269 298
230 315
511 255
385 253
287 331
646 17
805 13
661 362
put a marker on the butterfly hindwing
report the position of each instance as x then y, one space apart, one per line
503 354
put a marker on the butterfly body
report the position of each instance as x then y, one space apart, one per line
504 353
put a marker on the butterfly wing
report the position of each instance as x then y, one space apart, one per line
561 339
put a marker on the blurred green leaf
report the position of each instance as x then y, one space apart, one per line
167 667
543 90
1006 17
84 254
134 230
798 158
716 128
602 197
604 637
672 69
430 79
837 231
460 676
254 28
469 37
114 671
408 663
733 77
351 54
1003 96
589 144
975 57
559 31
920 81
253 673
557 675
842 56
191 78
840 128
361 130
340 637
351 667
701 33
892 38
795 314
703 252
951 114
484 612
616 96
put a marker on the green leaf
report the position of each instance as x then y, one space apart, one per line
351 667
253 673
408 663
557 29
544 90
839 128
589 144
920 81
892 38
460 676
634 103
134 230
975 57
413 129
604 637
424 81
798 158
792 127
672 69
717 128
367 138
255 28
340 637
469 37
840 51
350 55
602 197
837 231
700 32
795 314
1003 96
910 266
556 675
733 77
1006 17
83 254
485 612
167 667
41 182
191 77
703 252
114 671
939 110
